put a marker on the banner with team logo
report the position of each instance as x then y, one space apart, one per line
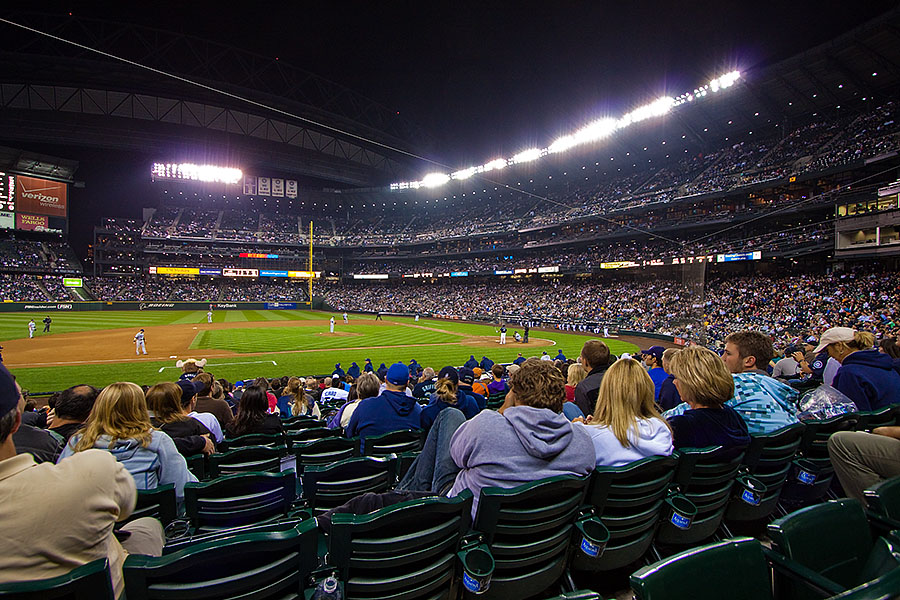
291 188
264 185
278 187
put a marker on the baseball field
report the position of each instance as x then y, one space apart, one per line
98 347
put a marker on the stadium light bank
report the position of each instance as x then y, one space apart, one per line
593 132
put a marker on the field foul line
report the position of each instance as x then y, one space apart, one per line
249 362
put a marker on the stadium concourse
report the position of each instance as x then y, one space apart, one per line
673 324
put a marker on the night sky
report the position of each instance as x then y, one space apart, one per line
483 79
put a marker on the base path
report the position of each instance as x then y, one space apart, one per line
165 341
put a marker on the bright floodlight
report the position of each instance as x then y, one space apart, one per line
463 174
527 155
497 163
563 144
435 179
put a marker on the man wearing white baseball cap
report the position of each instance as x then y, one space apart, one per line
866 376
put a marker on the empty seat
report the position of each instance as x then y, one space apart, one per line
394 442
328 486
407 550
811 475
246 459
529 529
253 439
629 501
159 503
324 451
883 500
300 423
309 434
881 417
734 569
87 582
240 499
262 566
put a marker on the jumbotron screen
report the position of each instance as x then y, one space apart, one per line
33 204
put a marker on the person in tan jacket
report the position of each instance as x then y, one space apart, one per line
59 517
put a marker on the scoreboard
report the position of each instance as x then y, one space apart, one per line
33 204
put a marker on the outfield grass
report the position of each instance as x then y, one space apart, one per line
300 350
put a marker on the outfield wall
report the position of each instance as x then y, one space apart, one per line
38 307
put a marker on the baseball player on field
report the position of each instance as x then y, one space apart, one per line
331 326
139 343
345 319
502 334
31 328
209 316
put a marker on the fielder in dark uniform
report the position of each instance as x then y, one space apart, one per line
47 320
525 337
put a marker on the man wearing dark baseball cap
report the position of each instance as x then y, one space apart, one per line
81 498
652 357
393 410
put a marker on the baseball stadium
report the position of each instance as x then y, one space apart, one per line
529 301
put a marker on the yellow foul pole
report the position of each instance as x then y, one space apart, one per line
310 262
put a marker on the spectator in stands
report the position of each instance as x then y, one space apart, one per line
120 424
447 393
301 404
80 501
393 410
668 393
575 374
207 404
704 383
466 379
169 414
527 439
626 425
498 385
889 346
485 364
471 363
787 367
866 376
766 404
43 445
253 415
271 398
367 386
190 391
863 459
353 371
652 357
335 392
519 359
311 387
71 409
595 360
426 384
217 392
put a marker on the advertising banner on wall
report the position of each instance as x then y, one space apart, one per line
41 196
32 222
7 220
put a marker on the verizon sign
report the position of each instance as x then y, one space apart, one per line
41 196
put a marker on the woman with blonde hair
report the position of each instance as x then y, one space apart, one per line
120 424
169 414
866 376
705 384
367 386
574 375
301 403
626 425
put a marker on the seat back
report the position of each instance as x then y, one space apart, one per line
734 569
529 529
324 451
248 459
300 423
393 442
87 582
328 486
309 434
832 539
706 476
197 465
263 566
883 498
239 499
883 588
252 439
811 475
629 500
814 444
159 503
768 458
407 550
881 417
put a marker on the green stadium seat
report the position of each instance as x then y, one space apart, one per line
768 459
87 582
300 423
324 451
393 442
629 500
286 524
812 474
253 439
197 465
408 550
883 588
834 541
529 530
735 569
159 503
312 433
246 459
240 499
262 566
578 595
882 417
706 477
328 486
883 501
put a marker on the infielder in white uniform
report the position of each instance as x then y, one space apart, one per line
31 328
345 319
331 328
209 316
139 343
605 331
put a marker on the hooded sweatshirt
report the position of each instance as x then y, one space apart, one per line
157 464
521 445
353 371
391 411
464 402
868 378
649 437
